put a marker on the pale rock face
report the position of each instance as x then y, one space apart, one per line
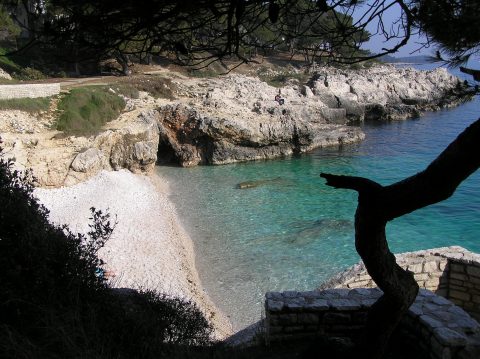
91 160
4 74
399 92
227 119
236 118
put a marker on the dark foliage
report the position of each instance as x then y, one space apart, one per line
53 302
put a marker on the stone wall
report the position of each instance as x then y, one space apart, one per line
451 272
28 90
434 325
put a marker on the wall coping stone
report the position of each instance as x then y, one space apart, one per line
12 91
454 330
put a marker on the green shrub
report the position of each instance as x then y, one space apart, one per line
83 111
30 105
156 86
126 90
53 303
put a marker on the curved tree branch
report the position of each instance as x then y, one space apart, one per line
379 204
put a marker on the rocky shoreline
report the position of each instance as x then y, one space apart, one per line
229 119
213 121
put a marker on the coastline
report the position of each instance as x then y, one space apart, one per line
149 249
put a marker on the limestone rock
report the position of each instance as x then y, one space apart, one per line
192 138
91 160
386 92
4 74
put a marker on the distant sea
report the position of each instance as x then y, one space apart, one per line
293 232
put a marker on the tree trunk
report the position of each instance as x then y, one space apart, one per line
379 204
122 59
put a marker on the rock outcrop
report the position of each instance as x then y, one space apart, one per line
236 118
189 137
228 119
386 92
63 161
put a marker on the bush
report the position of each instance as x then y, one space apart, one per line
126 90
53 303
83 111
156 86
30 105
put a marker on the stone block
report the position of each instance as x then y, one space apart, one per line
439 350
440 300
474 271
274 305
274 296
308 318
431 267
367 303
344 304
415 310
364 277
359 317
316 305
291 294
430 322
311 328
456 283
441 292
312 294
458 276
336 318
361 284
415 267
457 267
457 294
476 299
293 329
288 319
467 324
446 336
273 330
294 306
421 277
443 265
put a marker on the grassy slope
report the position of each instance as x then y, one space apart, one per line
85 110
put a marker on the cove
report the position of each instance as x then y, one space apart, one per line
288 231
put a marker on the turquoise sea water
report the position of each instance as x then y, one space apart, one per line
293 232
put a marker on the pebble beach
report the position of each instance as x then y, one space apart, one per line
148 249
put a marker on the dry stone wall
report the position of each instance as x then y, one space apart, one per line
443 321
28 90
451 272
439 328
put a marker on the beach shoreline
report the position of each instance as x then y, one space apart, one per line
149 248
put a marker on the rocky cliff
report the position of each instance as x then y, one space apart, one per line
236 118
228 119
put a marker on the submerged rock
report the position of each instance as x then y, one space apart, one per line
261 182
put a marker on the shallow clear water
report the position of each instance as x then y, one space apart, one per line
293 232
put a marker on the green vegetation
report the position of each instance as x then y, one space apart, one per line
85 110
126 89
156 86
17 71
54 303
30 105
